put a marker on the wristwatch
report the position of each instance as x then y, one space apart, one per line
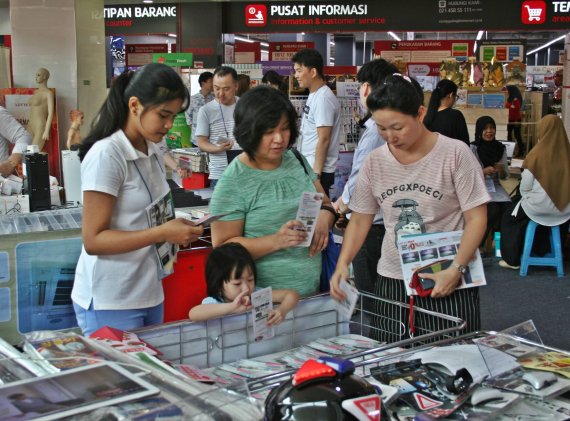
318 175
459 267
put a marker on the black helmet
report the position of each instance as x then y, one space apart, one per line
326 389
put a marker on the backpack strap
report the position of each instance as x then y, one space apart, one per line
300 158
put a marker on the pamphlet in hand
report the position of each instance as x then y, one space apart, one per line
308 213
419 250
262 304
159 212
346 306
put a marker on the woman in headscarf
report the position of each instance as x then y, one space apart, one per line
493 158
545 188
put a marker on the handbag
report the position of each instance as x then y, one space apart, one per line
424 286
330 254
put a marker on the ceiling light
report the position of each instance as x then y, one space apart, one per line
172 35
549 43
264 44
332 43
148 1
479 35
393 35
238 38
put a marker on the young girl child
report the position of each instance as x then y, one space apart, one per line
230 279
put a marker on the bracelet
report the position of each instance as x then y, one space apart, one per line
331 210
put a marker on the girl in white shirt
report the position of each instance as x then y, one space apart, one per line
118 276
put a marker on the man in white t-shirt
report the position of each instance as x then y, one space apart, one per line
11 132
320 126
215 128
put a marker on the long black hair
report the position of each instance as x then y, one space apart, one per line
153 84
443 88
514 93
398 93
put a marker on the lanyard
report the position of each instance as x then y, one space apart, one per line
142 178
224 121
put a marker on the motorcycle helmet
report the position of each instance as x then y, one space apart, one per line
324 389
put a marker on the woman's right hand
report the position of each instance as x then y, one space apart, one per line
181 231
490 170
341 273
291 234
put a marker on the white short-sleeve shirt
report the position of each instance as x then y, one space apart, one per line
128 280
321 110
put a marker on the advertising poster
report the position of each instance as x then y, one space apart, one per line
141 54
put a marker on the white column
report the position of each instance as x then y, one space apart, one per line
68 39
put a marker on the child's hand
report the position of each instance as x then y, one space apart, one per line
241 303
275 317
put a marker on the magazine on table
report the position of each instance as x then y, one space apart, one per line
159 212
420 250
63 353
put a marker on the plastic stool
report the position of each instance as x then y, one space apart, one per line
554 258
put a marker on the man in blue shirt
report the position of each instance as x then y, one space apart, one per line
370 76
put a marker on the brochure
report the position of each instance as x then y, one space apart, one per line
346 306
159 212
556 362
262 305
308 213
417 251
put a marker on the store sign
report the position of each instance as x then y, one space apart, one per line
141 54
140 19
283 51
427 51
423 69
371 15
507 50
173 59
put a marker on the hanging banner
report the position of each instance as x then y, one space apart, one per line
141 54
424 51
283 51
371 15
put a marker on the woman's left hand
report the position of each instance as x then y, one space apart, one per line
446 282
321 234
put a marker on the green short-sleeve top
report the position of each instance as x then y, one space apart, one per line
265 200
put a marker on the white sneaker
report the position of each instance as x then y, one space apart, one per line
504 264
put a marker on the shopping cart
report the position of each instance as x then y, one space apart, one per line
533 14
230 338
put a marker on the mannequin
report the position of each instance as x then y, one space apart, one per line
41 110
74 132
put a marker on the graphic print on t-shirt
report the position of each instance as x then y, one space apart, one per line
409 220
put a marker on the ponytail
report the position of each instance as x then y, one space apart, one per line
153 84
444 87
111 116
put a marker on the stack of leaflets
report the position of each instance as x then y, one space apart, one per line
253 369
15 366
123 341
63 352
555 362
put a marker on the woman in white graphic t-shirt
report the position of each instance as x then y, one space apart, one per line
417 178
